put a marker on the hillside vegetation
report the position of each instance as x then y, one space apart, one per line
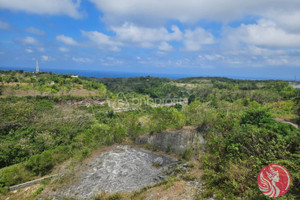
49 118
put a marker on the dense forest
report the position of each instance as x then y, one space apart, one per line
49 118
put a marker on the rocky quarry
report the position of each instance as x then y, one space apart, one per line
128 168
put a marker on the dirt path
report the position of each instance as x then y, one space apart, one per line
286 122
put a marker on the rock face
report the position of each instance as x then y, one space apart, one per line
125 168
173 141
121 169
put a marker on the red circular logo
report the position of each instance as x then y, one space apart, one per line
274 180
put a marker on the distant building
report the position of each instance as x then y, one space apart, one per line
295 84
74 76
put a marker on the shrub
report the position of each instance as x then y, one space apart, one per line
237 153
104 196
187 154
256 117
3 190
188 177
13 175
39 191
43 105
41 164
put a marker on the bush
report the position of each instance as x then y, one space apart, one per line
187 154
39 191
43 105
297 109
163 118
41 164
104 196
237 153
13 175
3 190
256 117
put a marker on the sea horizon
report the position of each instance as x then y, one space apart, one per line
118 74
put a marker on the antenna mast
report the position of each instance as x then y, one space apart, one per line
37 66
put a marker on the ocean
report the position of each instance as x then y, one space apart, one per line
114 74
100 74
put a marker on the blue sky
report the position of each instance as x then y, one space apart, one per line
235 38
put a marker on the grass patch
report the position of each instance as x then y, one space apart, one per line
105 196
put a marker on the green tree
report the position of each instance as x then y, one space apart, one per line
256 117
41 164
191 99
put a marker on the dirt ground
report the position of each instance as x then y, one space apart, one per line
22 194
179 187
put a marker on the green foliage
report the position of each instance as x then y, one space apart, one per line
39 191
144 85
103 196
178 106
198 113
187 154
237 154
116 196
188 177
12 79
297 108
14 115
41 164
265 96
233 115
169 147
3 190
163 118
191 99
256 117
14 174
43 105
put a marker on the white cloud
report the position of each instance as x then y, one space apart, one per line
4 25
111 61
35 31
30 41
277 61
41 49
28 50
260 51
110 58
145 37
67 40
130 34
102 40
188 11
82 60
45 58
288 21
194 39
164 46
212 57
63 49
265 33
141 23
50 7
